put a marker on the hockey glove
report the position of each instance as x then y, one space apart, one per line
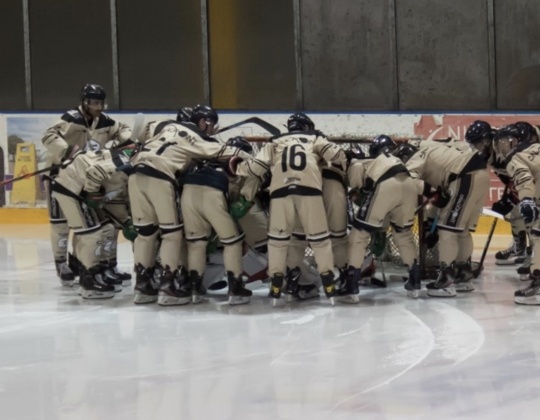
94 200
503 206
240 208
129 231
440 199
378 243
528 209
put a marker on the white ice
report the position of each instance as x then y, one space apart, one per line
389 357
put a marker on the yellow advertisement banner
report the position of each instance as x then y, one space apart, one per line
25 190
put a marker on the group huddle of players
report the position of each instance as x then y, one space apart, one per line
177 190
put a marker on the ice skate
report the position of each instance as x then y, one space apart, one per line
329 287
145 290
413 283
175 288
197 289
525 270
125 277
67 278
111 278
291 284
516 253
238 294
276 283
349 290
530 295
93 286
444 285
464 277
75 265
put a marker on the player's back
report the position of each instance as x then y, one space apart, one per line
295 165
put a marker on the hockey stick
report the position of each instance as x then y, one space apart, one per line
138 127
70 151
272 129
26 176
480 267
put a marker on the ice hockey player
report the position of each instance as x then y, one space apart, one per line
457 181
86 127
299 281
523 166
386 190
296 188
205 207
80 189
478 132
153 128
155 204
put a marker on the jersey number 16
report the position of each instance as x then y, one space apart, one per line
293 157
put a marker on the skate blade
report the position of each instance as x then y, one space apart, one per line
238 300
117 288
332 301
524 277
349 299
505 262
126 283
166 300
92 294
289 298
197 299
67 283
414 294
444 293
275 302
79 291
529 300
142 299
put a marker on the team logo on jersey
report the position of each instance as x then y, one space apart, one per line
291 180
62 243
92 146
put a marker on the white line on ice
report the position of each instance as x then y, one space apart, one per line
427 334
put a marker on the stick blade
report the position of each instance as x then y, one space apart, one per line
138 126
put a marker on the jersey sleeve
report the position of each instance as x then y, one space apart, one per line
355 174
521 174
330 152
258 165
415 166
54 140
121 132
99 172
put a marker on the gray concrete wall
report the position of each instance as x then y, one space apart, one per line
327 55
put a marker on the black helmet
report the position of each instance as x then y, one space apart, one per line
506 140
184 114
526 131
300 122
405 151
205 112
380 144
92 91
478 131
241 143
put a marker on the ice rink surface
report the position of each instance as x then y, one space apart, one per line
389 357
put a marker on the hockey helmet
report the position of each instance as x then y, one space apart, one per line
526 132
506 140
381 144
405 151
204 112
300 122
184 114
93 99
478 131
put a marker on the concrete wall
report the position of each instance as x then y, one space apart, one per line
339 55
